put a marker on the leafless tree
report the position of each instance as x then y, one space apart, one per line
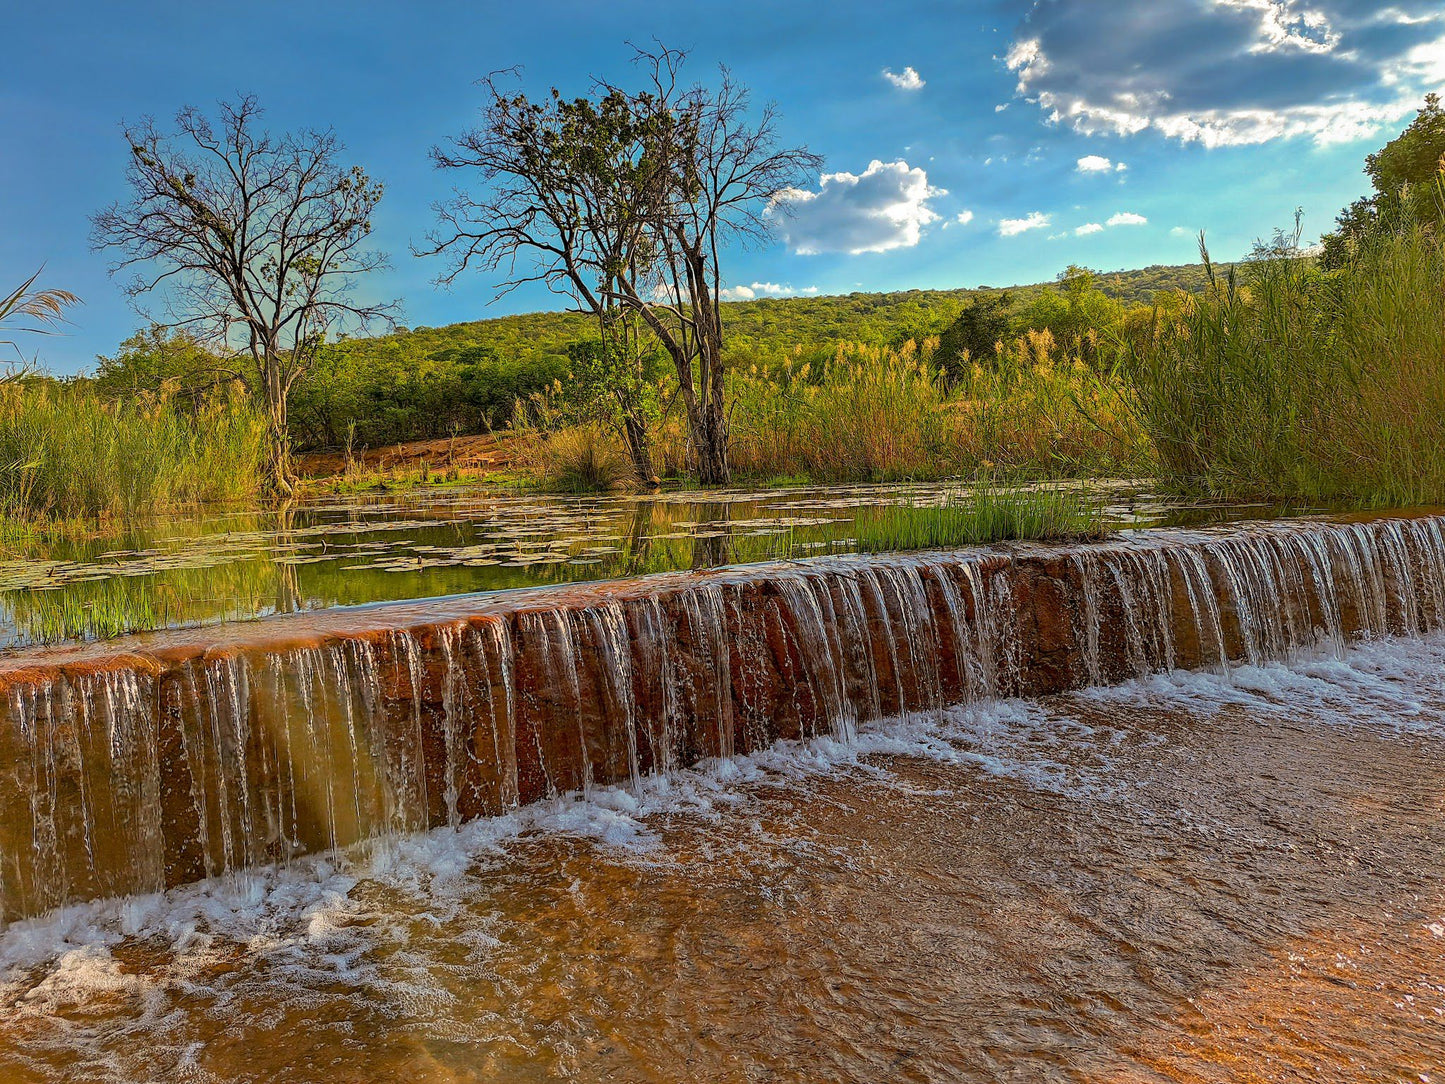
254 242
559 179
626 201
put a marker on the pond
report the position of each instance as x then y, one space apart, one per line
375 547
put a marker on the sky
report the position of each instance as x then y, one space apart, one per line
964 143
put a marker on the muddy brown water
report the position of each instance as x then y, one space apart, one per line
1184 879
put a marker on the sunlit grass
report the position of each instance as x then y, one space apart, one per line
981 515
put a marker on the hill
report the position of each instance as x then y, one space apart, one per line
426 382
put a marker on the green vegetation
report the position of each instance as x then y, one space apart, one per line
1287 381
982 514
65 452
1405 177
423 383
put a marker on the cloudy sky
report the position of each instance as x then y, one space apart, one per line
964 143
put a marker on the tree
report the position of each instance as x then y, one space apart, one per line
624 201
26 310
256 243
159 358
1074 313
980 326
1408 178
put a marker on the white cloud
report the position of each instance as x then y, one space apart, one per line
884 207
907 79
1000 108
1095 163
1012 227
764 289
1183 231
1088 228
963 218
1230 72
1126 218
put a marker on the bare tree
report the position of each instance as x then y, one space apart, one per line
559 183
625 201
725 175
255 243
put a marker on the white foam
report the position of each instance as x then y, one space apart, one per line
321 915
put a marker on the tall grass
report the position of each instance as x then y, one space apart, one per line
877 414
580 459
987 513
1286 382
67 453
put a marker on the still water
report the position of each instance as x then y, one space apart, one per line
196 570
1185 878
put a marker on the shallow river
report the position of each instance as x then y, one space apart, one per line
1182 879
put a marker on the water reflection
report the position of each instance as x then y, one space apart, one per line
370 548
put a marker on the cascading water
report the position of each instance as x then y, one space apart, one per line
160 759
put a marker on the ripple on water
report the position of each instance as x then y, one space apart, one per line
1185 878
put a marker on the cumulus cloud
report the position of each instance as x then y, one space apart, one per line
963 218
1088 228
1227 72
907 79
764 289
1126 218
1097 163
884 207
1034 220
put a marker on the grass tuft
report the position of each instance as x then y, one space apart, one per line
988 513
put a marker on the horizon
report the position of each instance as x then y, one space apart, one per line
943 166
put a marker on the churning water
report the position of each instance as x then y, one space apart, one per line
1188 877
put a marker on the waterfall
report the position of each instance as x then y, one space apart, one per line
154 760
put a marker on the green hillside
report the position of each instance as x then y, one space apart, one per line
429 381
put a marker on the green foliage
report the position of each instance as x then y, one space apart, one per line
414 387
158 360
987 513
1406 174
974 335
1075 314
66 452
1289 382
430 382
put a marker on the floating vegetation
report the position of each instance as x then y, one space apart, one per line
204 569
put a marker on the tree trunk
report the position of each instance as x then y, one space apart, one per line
281 478
639 448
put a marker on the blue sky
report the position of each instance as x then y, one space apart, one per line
965 143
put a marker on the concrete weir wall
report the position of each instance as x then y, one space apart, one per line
157 759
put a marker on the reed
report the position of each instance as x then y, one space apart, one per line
877 414
982 514
1290 383
67 453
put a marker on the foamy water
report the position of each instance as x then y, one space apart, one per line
438 947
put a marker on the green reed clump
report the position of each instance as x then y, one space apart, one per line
65 452
988 513
872 413
1287 382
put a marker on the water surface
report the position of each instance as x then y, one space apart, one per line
1185 878
334 551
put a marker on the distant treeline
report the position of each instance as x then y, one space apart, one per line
428 382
